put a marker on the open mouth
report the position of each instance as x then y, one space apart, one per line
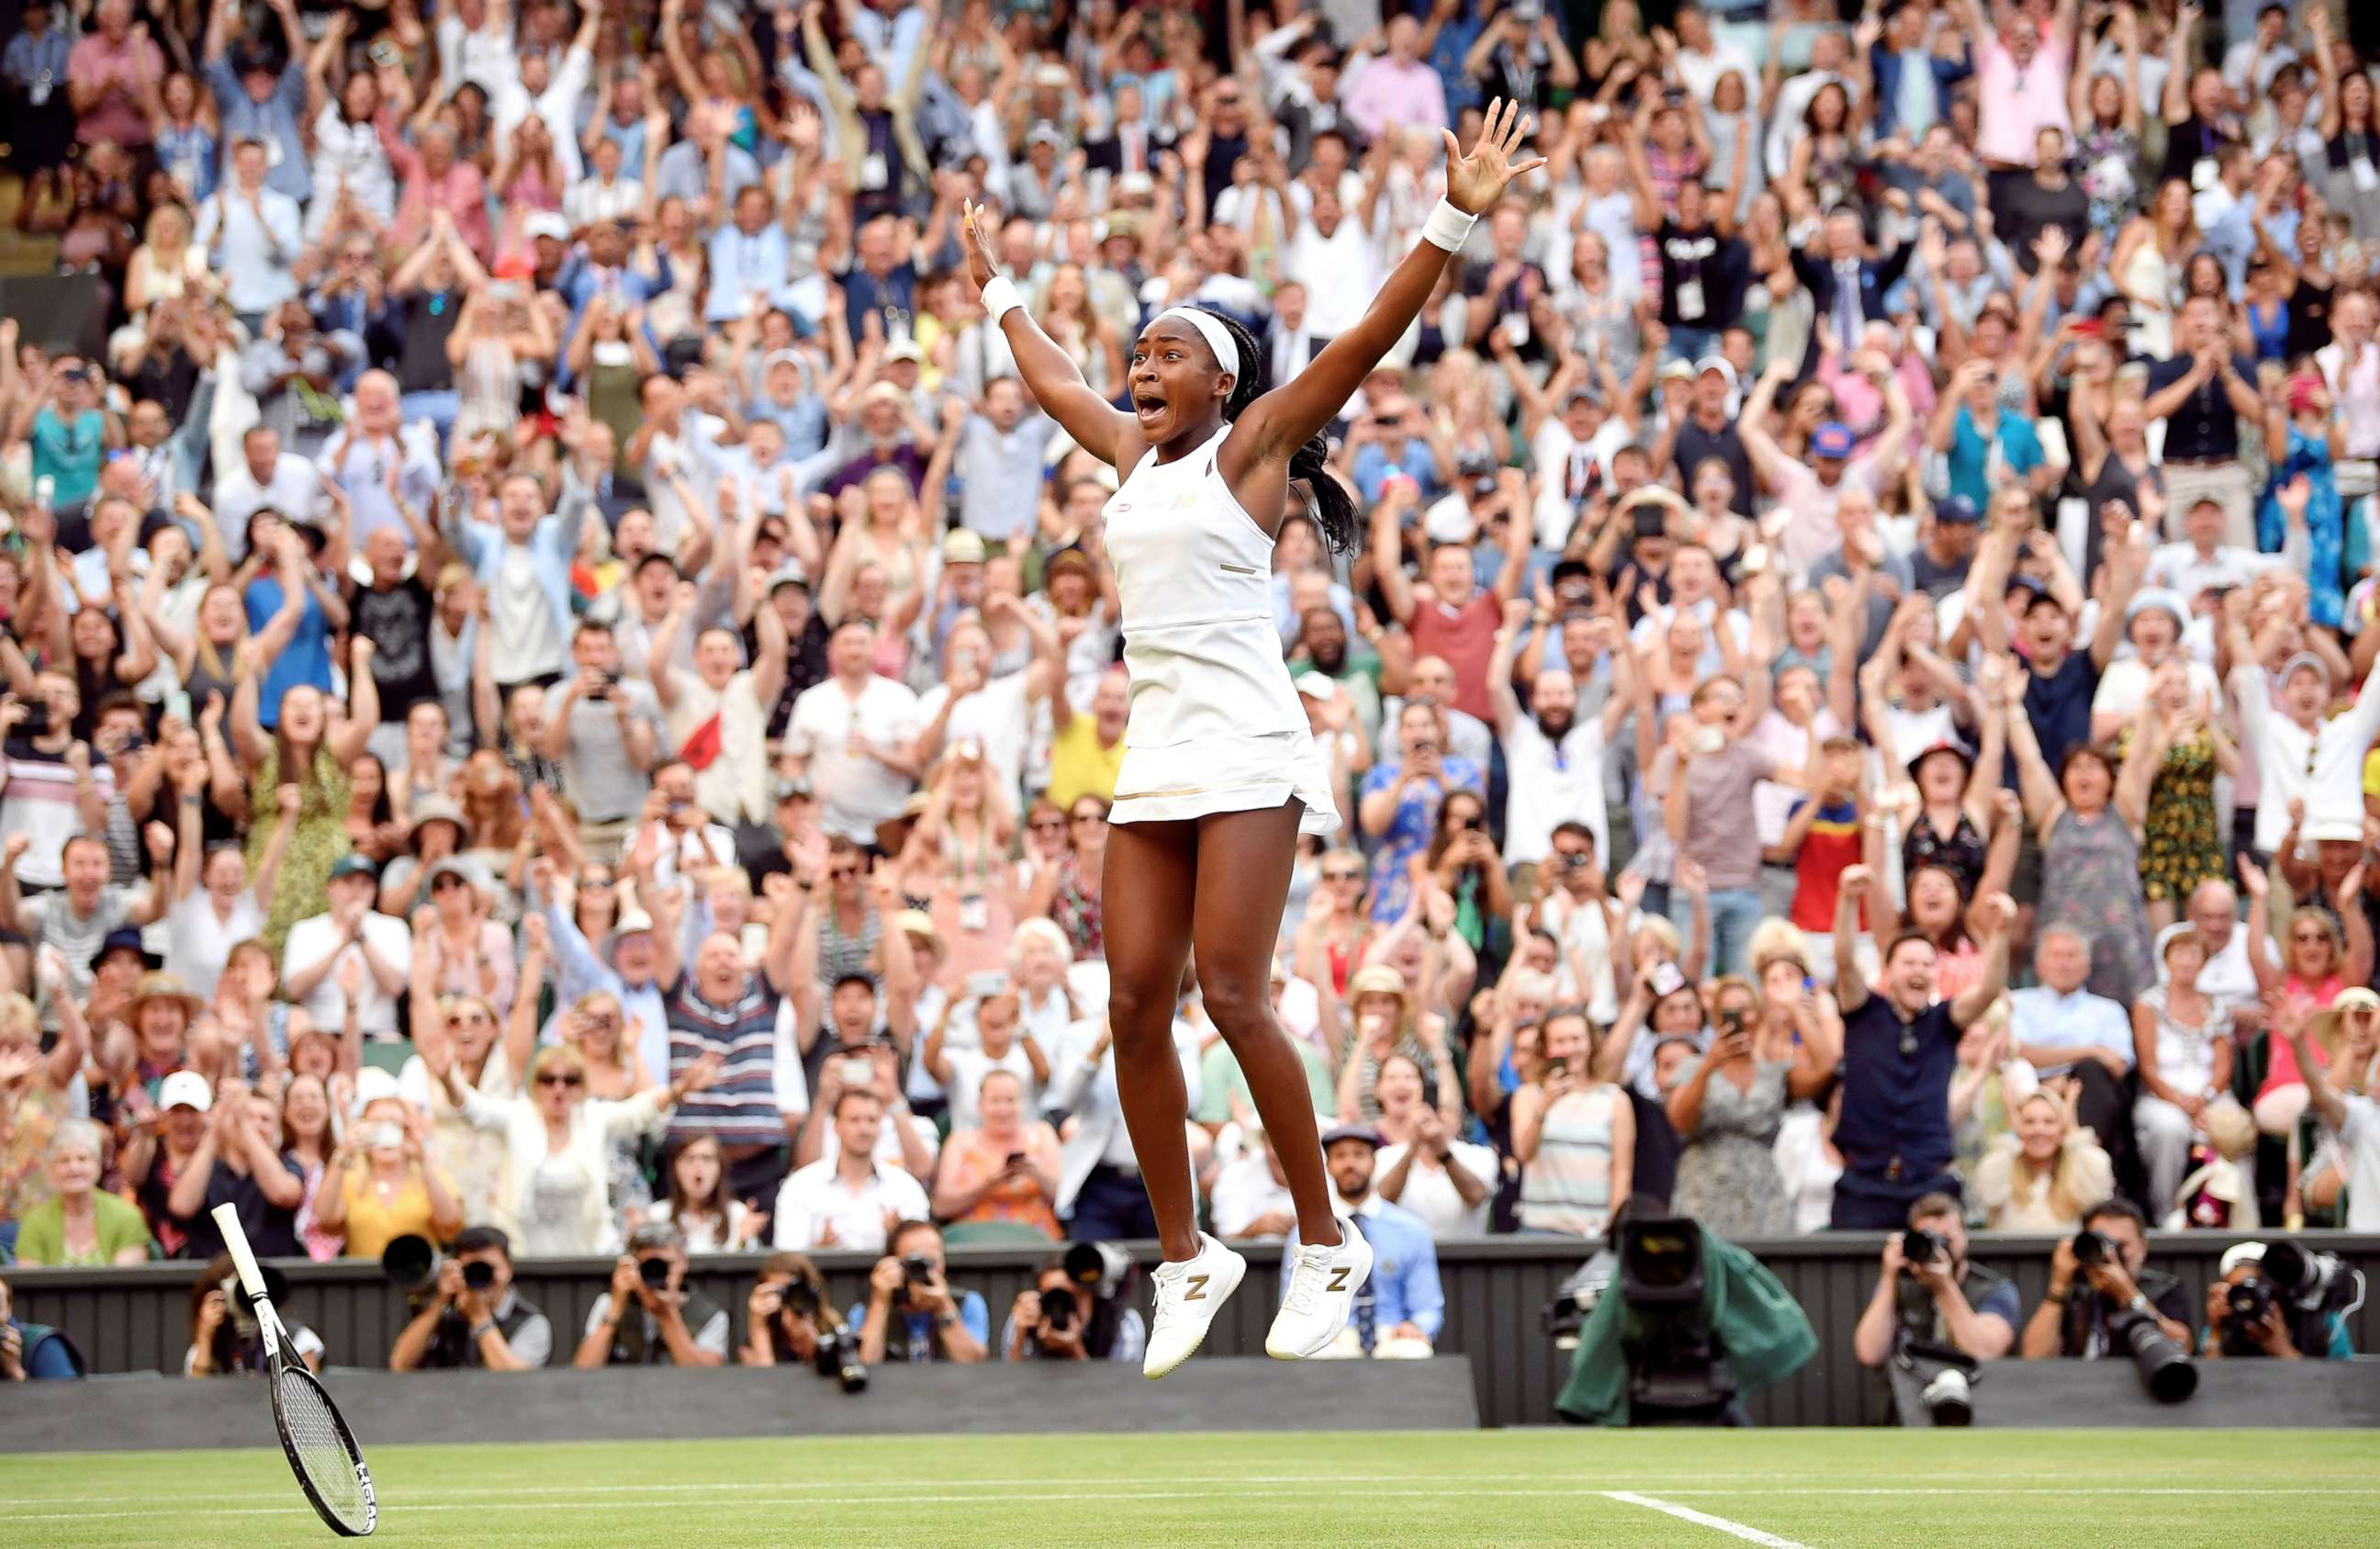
1147 406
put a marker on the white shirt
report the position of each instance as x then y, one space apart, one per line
294 490
1089 1091
2360 1136
359 467
856 789
1431 1194
993 715
199 942
557 106
816 1197
311 938
1246 1189
1549 782
1341 271
2323 768
1701 71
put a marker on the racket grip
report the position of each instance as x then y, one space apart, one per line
227 1221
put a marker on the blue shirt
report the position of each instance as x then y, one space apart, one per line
70 452
1895 1117
910 1336
45 1362
1403 1285
273 120
307 658
2077 1020
1971 473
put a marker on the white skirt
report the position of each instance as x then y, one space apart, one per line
1251 773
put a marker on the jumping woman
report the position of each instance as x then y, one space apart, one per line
1220 773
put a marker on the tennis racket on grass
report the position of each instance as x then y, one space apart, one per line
322 1451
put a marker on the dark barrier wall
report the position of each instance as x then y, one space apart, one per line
137 1319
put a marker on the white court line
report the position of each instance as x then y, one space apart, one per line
1701 1519
741 1496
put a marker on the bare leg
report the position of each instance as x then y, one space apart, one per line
1243 884
1150 883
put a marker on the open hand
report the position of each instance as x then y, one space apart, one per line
1476 181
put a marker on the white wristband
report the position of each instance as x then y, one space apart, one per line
1447 227
1000 298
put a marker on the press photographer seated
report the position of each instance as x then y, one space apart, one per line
469 1314
2099 1272
1929 1294
791 1323
2256 1307
647 1317
223 1337
911 1310
1079 1309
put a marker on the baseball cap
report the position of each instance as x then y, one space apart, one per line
2158 597
789 573
632 921
1957 509
963 547
904 349
372 1083
2237 1254
780 357
1317 685
353 866
1364 1132
547 223
1716 363
1681 369
186 1089
1832 438
124 940
2306 660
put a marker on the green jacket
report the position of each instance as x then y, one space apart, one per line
1765 1335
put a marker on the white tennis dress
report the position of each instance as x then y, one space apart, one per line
1216 724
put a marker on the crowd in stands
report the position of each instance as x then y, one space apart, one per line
561 697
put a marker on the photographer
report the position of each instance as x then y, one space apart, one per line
649 1318
2245 1318
2109 1257
1929 1294
789 1314
1061 1320
911 1287
473 1317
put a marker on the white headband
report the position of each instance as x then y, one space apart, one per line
1219 339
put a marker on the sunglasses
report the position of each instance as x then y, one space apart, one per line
598 884
446 884
2320 936
550 1078
600 1019
842 873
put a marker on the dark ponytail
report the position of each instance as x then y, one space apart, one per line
1333 507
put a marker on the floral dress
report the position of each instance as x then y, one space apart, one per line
2091 883
2182 847
2325 528
1076 913
321 840
1727 1172
1409 831
2109 159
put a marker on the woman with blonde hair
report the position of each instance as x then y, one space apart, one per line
1089 339
968 825
2042 1175
167 264
34 1086
381 1184
555 1194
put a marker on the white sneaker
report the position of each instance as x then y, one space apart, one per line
1321 1293
1189 1294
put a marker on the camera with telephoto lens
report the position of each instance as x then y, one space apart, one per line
917 1270
2310 1280
1921 1247
2094 1248
838 1357
2164 1369
2245 1308
413 1264
654 1272
1060 1308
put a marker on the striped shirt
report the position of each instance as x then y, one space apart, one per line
40 802
1568 1187
761 1082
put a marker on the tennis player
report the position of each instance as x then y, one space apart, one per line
1220 773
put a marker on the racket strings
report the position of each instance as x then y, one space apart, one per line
322 1448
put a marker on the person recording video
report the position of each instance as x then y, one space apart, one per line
647 1317
472 1316
1062 1318
911 1310
2109 1258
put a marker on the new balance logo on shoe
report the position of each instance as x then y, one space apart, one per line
1339 1279
1198 1291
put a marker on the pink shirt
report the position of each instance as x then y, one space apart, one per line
2014 104
463 193
1388 92
117 115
